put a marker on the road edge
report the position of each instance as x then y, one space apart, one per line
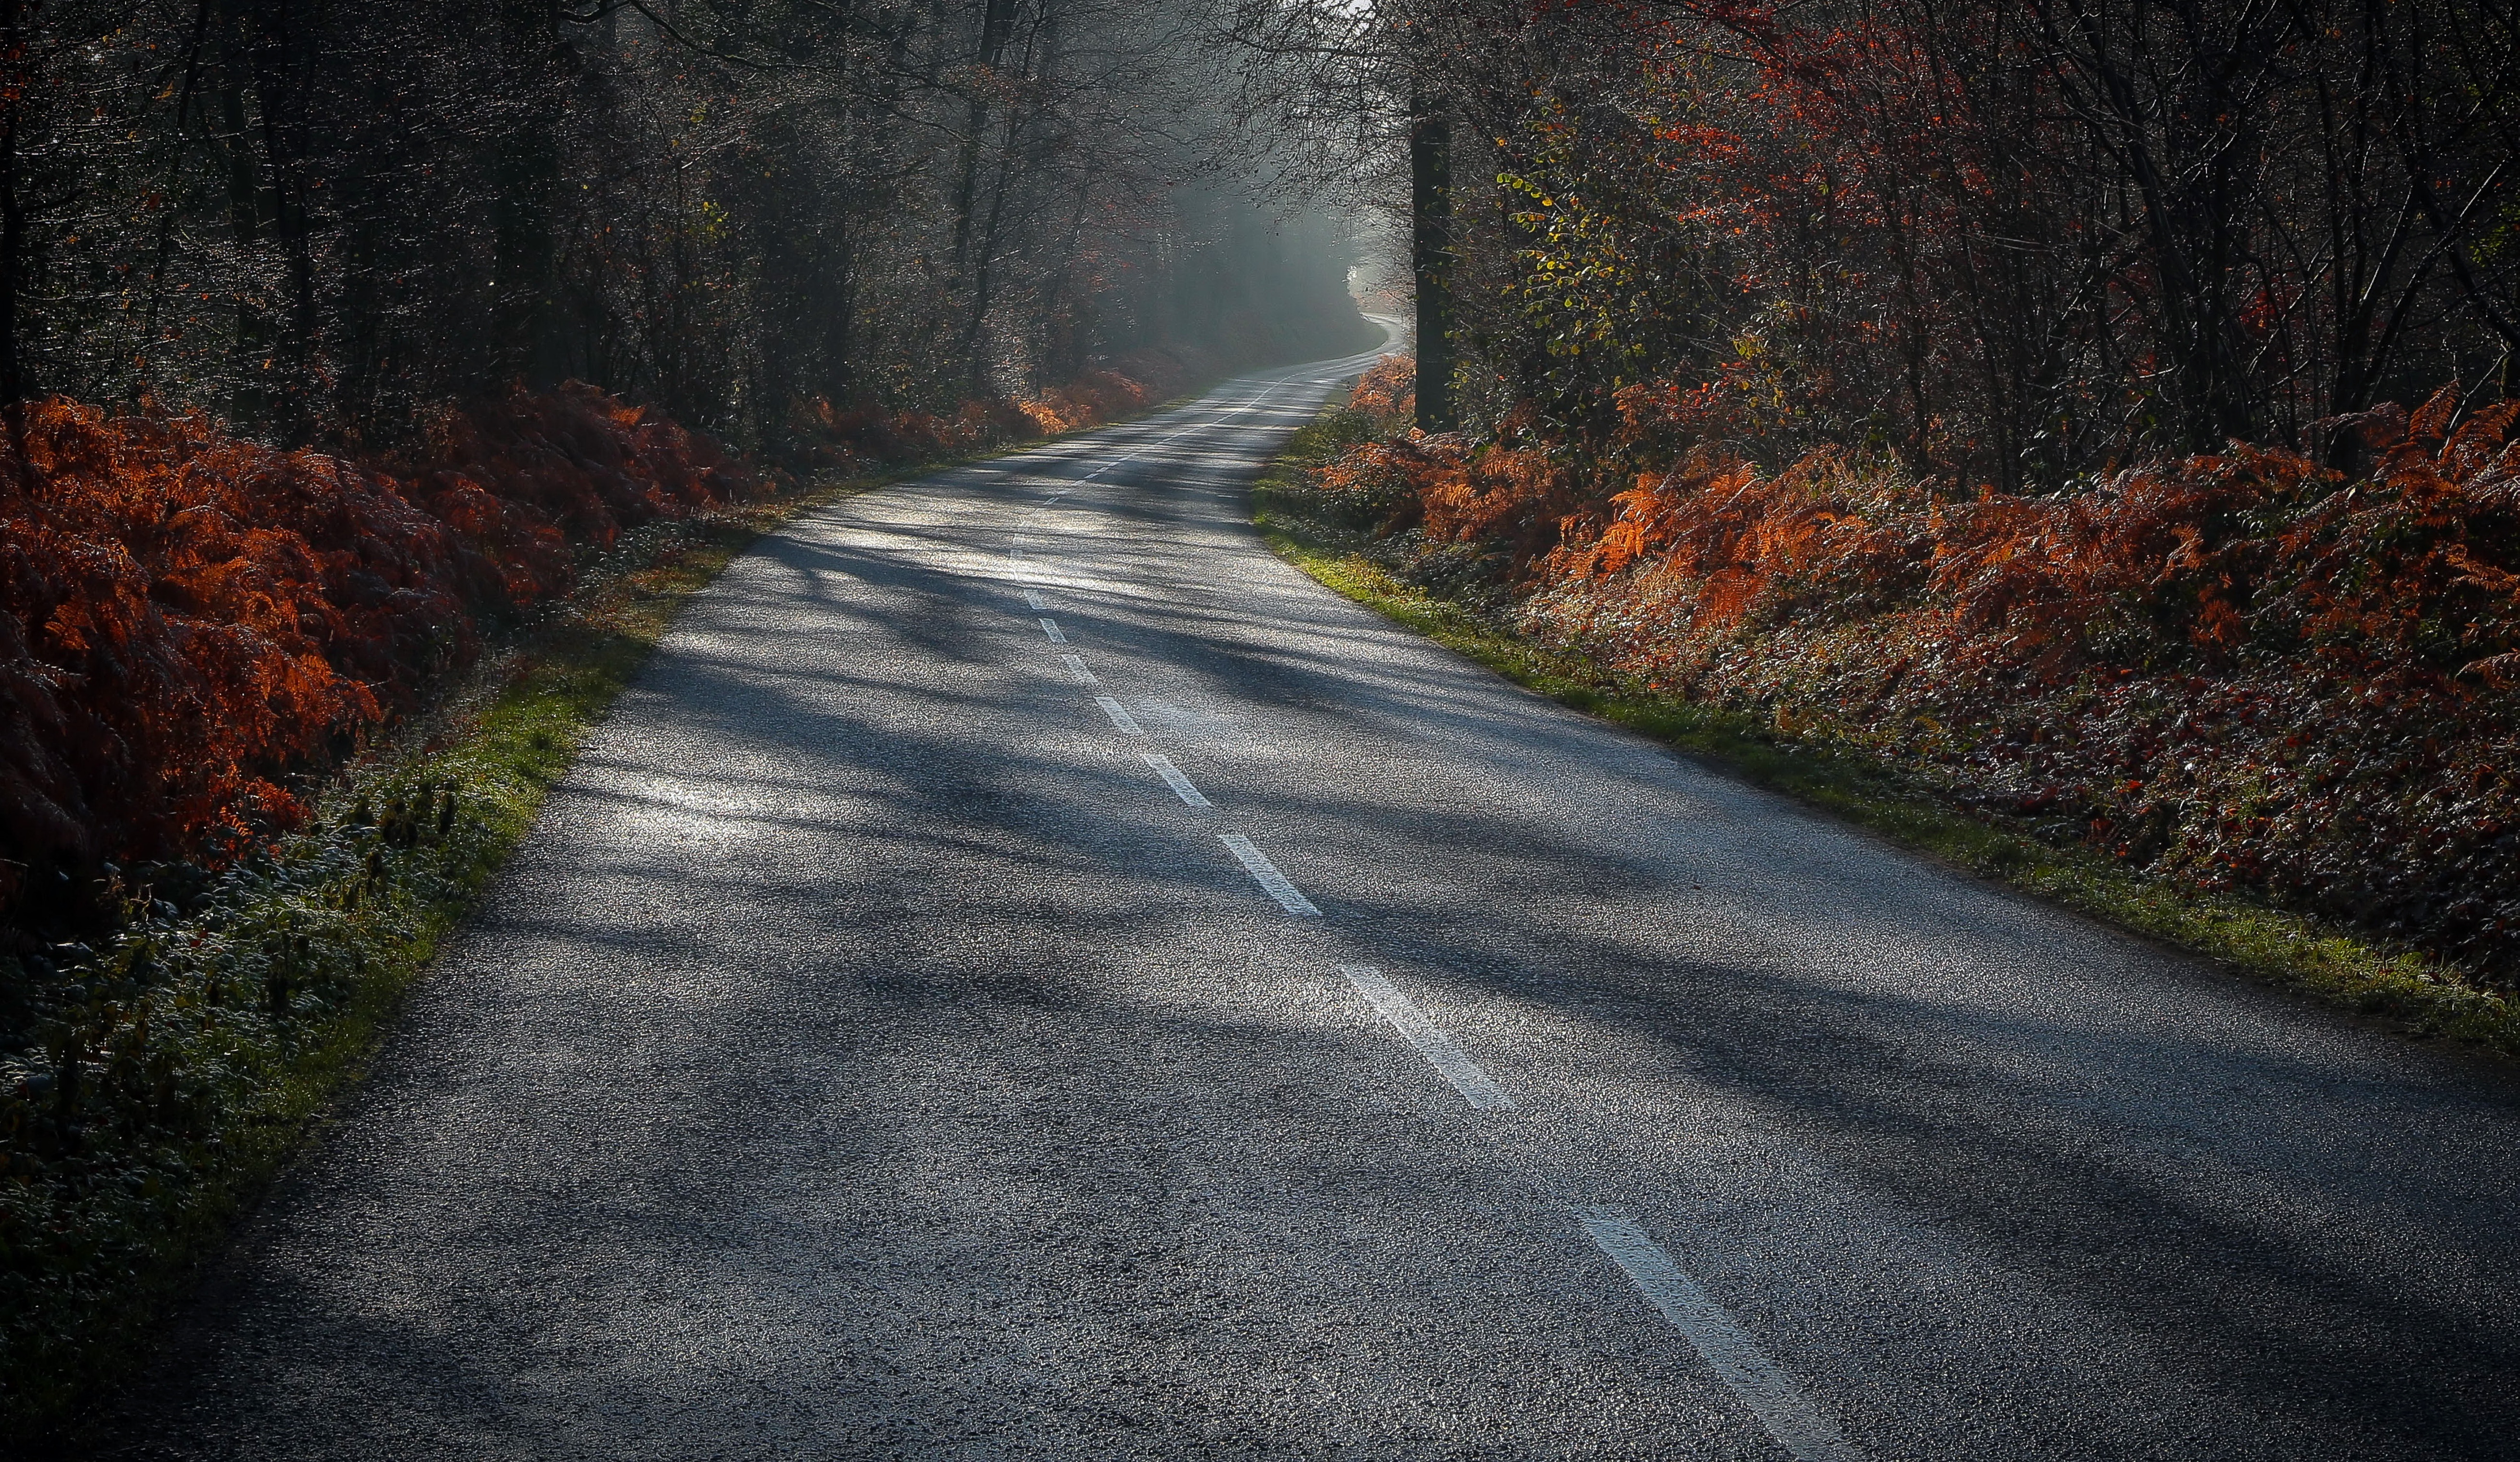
498 739
2332 966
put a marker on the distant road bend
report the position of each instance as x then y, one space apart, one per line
1028 973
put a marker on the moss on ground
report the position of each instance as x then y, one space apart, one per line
208 1046
2333 965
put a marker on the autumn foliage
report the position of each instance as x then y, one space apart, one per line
1387 393
1093 398
2020 246
187 617
1998 390
859 439
2241 670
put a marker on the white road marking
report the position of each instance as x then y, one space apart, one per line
1173 778
1780 1405
1076 668
1441 1051
1049 627
1033 600
1266 873
1251 405
1119 714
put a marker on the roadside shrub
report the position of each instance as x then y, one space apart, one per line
1387 394
1090 400
841 441
2241 670
187 620
173 1068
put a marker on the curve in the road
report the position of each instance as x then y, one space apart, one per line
1025 973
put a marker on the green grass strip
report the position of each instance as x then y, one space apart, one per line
212 1046
2332 965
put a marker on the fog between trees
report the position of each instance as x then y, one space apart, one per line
2013 243
2005 243
319 220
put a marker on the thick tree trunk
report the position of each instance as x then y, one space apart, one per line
251 344
16 99
13 226
527 169
1431 219
997 27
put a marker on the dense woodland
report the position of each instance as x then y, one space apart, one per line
2087 414
410 238
321 221
2095 408
2004 244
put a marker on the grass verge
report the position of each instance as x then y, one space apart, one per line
208 1044
2333 965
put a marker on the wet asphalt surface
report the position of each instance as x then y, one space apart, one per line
871 1055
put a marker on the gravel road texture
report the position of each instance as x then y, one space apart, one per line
873 1054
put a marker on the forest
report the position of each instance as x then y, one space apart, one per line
329 335
2098 410
375 379
2015 247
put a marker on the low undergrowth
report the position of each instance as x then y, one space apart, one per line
192 1052
193 625
1337 506
830 440
182 1054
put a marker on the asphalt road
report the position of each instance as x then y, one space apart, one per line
875 1054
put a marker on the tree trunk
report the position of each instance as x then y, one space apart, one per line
1430 221
527 169
997 27
14 103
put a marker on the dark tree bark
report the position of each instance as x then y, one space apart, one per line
15 54
1431 263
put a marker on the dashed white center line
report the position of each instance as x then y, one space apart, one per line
1173 778
1251 405
1266 875
1119 714
1441 1051
1773 1396
1781 1405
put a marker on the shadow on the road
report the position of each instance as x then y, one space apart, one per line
731 1107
